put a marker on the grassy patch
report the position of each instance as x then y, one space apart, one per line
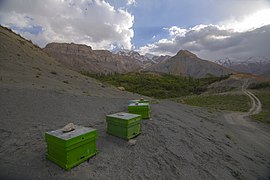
220 102
157 85
264 115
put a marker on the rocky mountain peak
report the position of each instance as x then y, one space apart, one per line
185 53
69 45
82 58
69 48
185 63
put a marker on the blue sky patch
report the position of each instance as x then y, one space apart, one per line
35 30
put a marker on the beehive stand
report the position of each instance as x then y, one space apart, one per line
72 148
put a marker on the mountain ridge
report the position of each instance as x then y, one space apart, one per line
83 58
185 63
258 65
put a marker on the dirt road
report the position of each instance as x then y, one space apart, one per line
242 118
256 103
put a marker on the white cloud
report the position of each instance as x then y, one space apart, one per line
176 31
258 19
131 2
248 37
93 22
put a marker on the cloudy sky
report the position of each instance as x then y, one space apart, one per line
212 29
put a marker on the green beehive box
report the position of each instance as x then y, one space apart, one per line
140 108
71 148
124 125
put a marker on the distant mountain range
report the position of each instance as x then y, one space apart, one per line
185 63
255 65
83 58
146 60
142 58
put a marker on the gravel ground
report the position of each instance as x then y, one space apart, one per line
180 142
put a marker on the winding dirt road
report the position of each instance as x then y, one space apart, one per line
254 134
242 118
256 103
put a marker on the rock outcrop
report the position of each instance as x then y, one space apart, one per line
83 58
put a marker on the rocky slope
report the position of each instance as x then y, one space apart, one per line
84 58
254 65
23 64
185 63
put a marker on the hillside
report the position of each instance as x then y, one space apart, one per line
234 82
185 63
38 94
26 65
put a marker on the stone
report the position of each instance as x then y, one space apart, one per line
69 127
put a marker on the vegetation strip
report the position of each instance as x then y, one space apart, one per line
156 85
228 102
264 115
